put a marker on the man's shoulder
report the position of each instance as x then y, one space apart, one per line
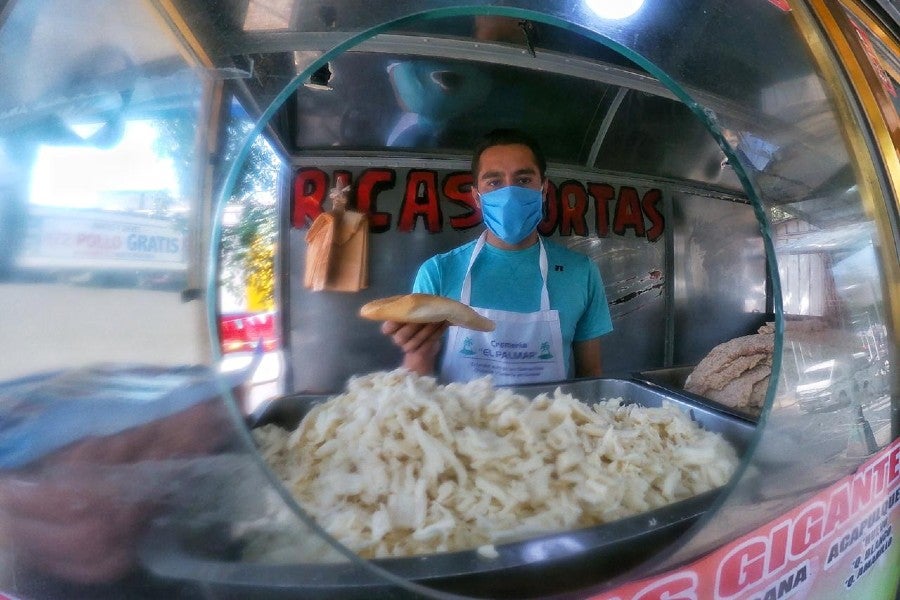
461 252
561 253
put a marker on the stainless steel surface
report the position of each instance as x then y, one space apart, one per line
720 275
651 134
553 57
671 381
584 554
605 125
540 564
329 343
371 98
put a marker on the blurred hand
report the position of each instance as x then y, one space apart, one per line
77 514
72 527
420 342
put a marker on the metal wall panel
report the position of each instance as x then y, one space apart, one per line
329 342
720 274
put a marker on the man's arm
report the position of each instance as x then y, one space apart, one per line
586 356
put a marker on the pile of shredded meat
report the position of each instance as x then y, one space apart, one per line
400 465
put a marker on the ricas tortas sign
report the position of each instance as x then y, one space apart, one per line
407 199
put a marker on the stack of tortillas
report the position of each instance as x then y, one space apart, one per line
425 308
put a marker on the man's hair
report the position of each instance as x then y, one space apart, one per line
505 137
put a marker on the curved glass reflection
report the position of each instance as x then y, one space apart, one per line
754 245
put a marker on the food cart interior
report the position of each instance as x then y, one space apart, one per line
702 154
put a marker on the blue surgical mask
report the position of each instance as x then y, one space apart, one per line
512 213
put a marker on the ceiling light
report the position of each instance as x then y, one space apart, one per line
614 9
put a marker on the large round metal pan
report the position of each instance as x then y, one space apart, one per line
541 565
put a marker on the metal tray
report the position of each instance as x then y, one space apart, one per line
671 381
539 566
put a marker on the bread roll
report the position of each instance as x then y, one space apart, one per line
424 308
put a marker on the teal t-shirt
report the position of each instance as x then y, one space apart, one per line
511 280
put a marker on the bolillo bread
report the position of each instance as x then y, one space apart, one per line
424 308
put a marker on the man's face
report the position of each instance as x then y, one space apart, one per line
511 164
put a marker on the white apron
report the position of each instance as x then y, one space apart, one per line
524 347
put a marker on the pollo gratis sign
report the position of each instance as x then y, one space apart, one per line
93 239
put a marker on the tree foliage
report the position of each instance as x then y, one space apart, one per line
247 246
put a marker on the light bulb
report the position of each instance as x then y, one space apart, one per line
614 9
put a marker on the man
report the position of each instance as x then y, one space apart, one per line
547 301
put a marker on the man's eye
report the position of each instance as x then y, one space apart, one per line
525 180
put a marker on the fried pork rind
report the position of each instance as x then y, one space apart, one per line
736 372
400 465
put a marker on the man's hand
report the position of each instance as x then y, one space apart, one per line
420 342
